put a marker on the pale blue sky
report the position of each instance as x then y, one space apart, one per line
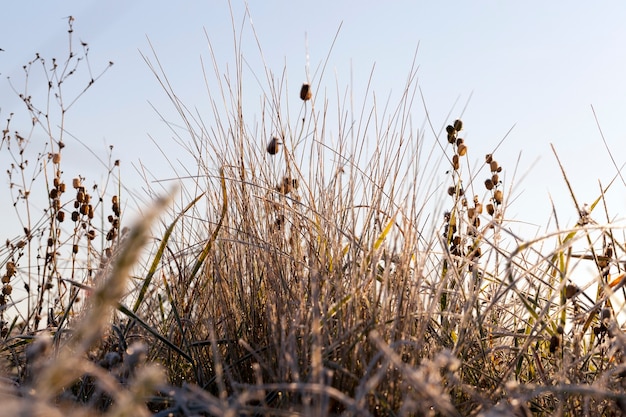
536 65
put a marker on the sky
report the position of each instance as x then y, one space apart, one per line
535 69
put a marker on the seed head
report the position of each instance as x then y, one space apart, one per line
498 196
455 162
7 289
305 92
554 343
274 146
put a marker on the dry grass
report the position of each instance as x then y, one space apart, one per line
307 269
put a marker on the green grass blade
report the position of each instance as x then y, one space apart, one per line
159 254
125 310
209 245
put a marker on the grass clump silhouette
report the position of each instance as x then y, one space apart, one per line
303 273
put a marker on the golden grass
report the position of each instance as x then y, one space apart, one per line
307 269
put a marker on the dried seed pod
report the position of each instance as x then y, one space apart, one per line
490 209
495 178
10 268
75 249
91 234
75 216
287 185
476 222
451 130
488 158
493 165
7 289
61 216
76 183
605 314
458 125
471 213
274 146
459 141
479 208
451 138
489 184
451 190
462 150
56 158
455 162
475 252
305 92
498 196
560 330
80 196
5 279
554 343
61 187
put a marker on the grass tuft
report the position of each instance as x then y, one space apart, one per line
317 261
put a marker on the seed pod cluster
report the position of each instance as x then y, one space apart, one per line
460 148
114 219
462 223
287 185
7 289
55 198
473 215
451 229
83 205
493 184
